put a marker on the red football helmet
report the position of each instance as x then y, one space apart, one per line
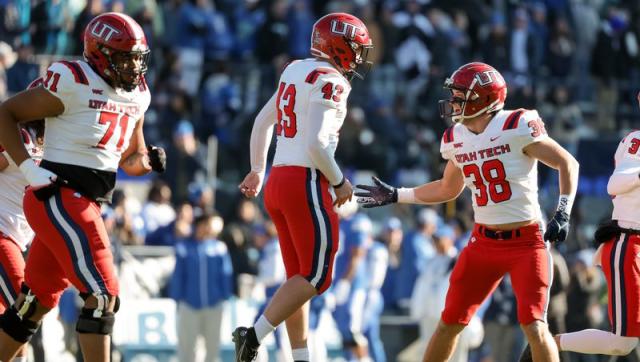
116 48
344 40
484 91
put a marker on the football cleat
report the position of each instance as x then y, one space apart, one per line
245 350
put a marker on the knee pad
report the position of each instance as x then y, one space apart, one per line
89 323
20 329
98 320
15 320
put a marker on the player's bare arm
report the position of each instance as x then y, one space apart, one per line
447 188
135 161
30 105
553 155
25 106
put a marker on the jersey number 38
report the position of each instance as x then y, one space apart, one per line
490 181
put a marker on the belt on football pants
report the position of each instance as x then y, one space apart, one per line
498 234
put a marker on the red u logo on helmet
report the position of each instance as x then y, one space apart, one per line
104 31
342 28
488 77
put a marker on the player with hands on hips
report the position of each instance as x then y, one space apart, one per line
493 152
618 249
305 182
94 113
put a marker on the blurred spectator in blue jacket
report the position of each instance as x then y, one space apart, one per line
185 161
417 248
200 284
300 20
377 263
350 279
391 236
271 272
247 18
178 229
23 71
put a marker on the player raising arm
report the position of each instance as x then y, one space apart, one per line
305 182
494 152
93 111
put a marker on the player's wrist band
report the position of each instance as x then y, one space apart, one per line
340 183
406 195
565 203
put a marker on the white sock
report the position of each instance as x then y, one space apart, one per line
263 327
300 354
595 341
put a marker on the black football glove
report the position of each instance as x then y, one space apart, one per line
157 158
378 195
557 228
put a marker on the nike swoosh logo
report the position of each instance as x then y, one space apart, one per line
493 138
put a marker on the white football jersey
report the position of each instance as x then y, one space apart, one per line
502 179
97 121
626 206
12 184
303 82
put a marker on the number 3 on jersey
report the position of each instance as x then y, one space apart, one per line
493 173
285 103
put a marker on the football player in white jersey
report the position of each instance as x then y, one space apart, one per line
618 254
93 111
305 181
494 152
15 232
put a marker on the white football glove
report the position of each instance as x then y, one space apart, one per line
36 176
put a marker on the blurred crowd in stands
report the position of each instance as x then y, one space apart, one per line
215 62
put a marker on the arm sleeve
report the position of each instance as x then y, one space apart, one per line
626 175
261 135
321 119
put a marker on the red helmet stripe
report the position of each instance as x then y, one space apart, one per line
78 73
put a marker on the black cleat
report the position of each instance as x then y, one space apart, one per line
246 348
526 355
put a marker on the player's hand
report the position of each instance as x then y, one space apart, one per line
343 193
157 158
379 194
557 228
251 185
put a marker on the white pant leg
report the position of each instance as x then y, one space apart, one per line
212 320
187 328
